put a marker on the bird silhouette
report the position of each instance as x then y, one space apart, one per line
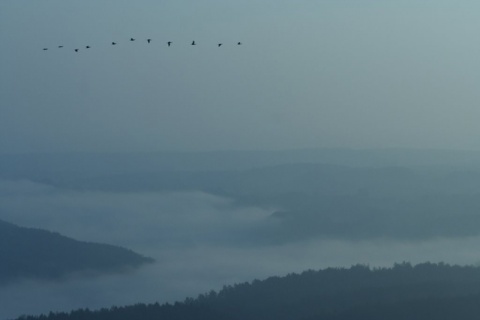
149 40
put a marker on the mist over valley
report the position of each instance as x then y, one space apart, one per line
230 160
208 228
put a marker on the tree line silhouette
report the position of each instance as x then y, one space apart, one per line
424 291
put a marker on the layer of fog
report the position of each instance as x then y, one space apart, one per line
200 242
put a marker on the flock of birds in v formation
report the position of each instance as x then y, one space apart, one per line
169 44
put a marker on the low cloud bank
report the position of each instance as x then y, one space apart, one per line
200 242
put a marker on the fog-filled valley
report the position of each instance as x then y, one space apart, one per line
208 228
231 160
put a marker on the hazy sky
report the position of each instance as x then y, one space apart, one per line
333 73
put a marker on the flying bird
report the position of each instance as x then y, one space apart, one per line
149 40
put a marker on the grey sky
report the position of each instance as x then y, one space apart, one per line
337 73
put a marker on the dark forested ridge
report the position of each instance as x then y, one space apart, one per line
35 253
425 291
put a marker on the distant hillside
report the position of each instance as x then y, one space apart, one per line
325 193
425 291
321 200
38 165
34 253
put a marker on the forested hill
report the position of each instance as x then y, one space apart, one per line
35 253
425 291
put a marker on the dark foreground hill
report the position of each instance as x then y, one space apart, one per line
40 254
425 291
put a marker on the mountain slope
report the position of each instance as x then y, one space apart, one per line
35 253
425 291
